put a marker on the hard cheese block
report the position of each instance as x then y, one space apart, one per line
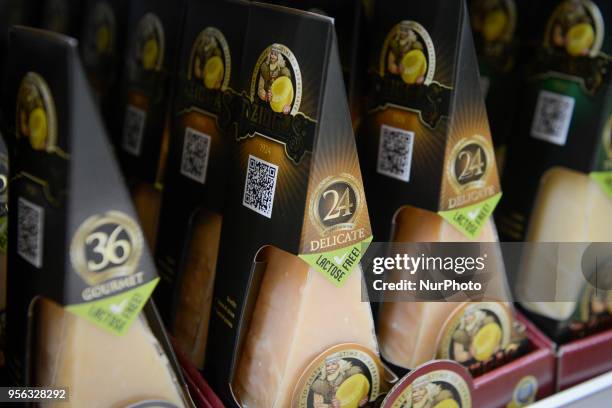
408 331
570 207
193 312
99 368
147 200
298 315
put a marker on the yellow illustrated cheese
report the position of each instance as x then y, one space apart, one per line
37 124
494 25
353 390
408 331
447 403
100 369
213 73
487 341
147 200
414 66
103 38
282 93
149 54
193 312
580 39
298 315
570 207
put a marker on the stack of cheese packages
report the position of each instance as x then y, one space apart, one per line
431 177
80 273
288 326
563 193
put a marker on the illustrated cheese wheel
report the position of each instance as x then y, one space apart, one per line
282 93
213 72
580 38
447 403
149 54
486 341
102 39
37 122
494 25
415 66
353 390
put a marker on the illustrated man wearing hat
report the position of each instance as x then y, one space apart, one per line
471 321
426 394
273 68
405 40
336 371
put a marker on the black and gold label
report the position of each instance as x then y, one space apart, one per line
36 116
470 163
99 42
431 386
106 246
494 26
348 374
475 332
573 43
405 74
336 203
210 61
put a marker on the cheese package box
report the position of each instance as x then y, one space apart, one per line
61 16
287 302
101 45
430 176
141 123
559 178
192 207
78 297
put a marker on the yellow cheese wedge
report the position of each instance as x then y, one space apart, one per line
447 403
298 315
415 66
99 368
193 312
149 54
282 93
408 331
147 200
353 390
494 25
486 341
213 73
580 39
570 207
37 123
103 38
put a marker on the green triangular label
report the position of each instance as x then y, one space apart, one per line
337 265
115 313
604 178
470 220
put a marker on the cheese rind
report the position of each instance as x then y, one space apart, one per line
408 331
193 312
298 315
100 369
570 207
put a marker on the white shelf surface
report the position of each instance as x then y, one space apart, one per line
595 393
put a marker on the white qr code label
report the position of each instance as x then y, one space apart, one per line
133 129
553 115
260 185
30 224
395 152
196 149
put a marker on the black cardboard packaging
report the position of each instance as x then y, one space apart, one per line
141 126
208 74
74 238
290 158
62 16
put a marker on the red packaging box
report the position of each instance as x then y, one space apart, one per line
583 359
524 380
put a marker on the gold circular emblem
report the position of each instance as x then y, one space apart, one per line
36 116
106 246
148 45
336 203
471 160
210 60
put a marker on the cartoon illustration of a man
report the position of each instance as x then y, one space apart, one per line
471 321
207 48
336 371
572 14
405 40
273 67
426 394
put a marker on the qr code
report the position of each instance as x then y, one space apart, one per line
30 221
196 149
553 115
395 153
260 186
133 129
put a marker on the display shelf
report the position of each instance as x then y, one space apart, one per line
590 394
